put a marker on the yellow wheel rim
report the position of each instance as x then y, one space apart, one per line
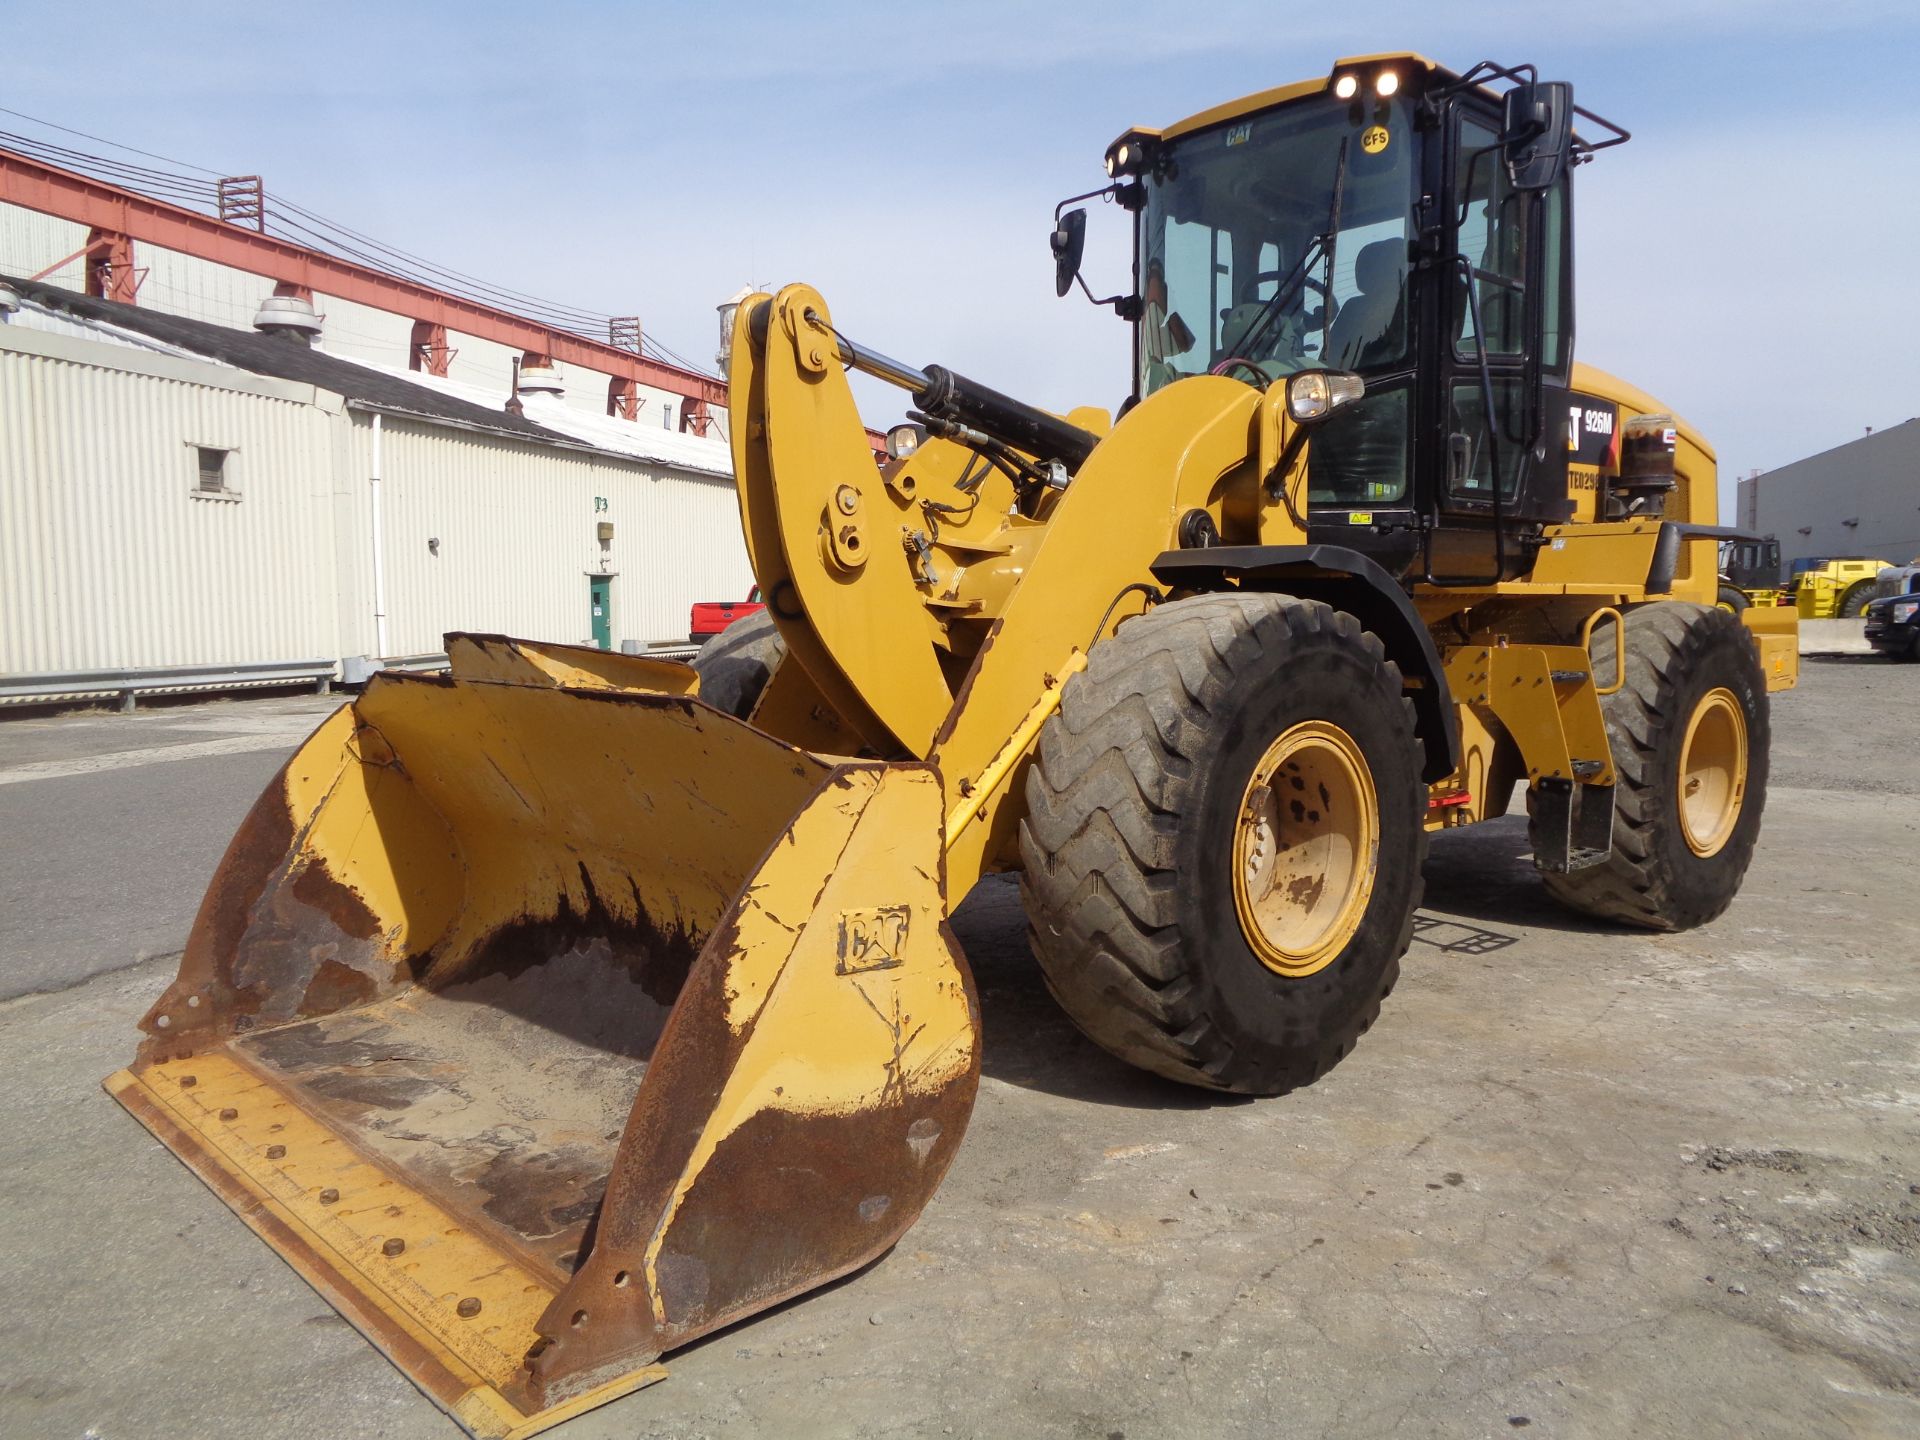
1306 846
1713 772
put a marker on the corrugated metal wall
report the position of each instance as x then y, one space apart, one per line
518 524
108 558
361 332
30 241
180 284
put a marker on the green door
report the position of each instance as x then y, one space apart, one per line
600 589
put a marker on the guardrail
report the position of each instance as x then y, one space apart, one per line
669 652
128 684
54 685
358 669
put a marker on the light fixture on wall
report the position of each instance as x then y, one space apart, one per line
433 545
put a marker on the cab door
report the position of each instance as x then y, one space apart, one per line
1507 339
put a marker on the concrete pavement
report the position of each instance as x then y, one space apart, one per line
1577 1182
110 825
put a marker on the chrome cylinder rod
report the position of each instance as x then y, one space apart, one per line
881 367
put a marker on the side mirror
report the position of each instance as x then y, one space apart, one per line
1537 133
1069 242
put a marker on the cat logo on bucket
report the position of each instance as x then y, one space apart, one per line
871 939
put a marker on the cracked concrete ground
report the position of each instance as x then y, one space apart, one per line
1577 1182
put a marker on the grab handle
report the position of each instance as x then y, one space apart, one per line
1619 648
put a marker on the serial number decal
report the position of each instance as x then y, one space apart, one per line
1591 424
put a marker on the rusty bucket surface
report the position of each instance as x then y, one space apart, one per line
545 1019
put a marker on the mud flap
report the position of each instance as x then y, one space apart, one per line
545 1025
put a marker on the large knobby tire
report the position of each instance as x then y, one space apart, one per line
1733 599
1853 604
735 664
1135 806
1672 868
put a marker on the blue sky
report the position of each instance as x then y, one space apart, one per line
1749 257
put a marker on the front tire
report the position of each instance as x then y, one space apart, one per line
736 664
1224 838
1733 599
1690 733
1854 603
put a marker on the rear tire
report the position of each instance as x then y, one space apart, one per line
1136 880
1690 668
1854 603
736 664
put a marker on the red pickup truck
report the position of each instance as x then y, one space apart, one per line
710 617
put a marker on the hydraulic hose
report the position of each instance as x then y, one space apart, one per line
940 393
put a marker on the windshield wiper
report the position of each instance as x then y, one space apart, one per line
1321 247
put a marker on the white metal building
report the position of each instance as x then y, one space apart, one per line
1857 499
179 494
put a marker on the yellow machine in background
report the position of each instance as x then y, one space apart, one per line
1750 574
557 1011
1834 589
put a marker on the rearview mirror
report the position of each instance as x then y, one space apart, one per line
1069 242
1538 133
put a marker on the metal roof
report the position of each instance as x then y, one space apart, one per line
282 358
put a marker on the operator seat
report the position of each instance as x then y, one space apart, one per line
1372 316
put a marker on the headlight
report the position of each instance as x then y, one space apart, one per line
1903 613
1347 86
1129 155
903 440
1315 394
1387 82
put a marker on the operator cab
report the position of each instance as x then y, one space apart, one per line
1751 564
1408 225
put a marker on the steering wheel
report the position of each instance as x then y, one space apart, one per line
1307 282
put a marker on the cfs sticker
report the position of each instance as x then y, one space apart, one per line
1374 139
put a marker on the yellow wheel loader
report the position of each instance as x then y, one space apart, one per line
558 1010
1826 588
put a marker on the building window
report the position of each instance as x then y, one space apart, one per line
213 473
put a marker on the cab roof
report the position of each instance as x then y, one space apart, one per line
1279 95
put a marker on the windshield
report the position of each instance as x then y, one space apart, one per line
1233 212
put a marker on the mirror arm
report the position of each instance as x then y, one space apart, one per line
1127 194
1105 192
1127 307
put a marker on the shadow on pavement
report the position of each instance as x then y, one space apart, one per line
1482 891
1485 873
1028 1040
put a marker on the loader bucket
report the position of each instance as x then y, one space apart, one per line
544 1023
